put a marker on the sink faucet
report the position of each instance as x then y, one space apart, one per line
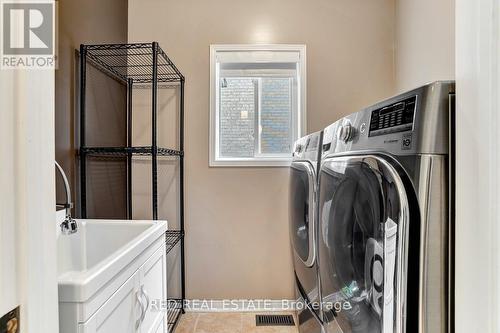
69 225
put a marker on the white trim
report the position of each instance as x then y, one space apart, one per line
28 245
239 305
301 123
258 56
477 257
253 162
258 111
246 73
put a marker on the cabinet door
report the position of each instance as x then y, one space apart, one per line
153 284
120 313
162 326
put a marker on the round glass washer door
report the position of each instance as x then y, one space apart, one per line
363 214
302 206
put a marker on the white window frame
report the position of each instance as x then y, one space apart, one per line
300 122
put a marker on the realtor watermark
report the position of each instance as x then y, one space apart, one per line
243 305
28 34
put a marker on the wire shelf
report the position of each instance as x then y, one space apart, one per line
172 237
174 312
125 151
137 66
133 62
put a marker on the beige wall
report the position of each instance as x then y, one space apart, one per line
89 21
425 42
237 218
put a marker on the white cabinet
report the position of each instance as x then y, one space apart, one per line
162 326
134 306
120 313
153 287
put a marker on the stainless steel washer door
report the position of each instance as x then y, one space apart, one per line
302 206
363 214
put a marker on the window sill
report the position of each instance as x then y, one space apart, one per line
249 163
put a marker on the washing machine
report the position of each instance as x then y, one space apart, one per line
385 218
303 197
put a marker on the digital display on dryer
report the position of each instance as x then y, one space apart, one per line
397 117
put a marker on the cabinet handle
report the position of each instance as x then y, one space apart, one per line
147 298
143 292
138 297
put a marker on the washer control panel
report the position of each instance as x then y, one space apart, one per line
308 146
345 133
312 143
397 117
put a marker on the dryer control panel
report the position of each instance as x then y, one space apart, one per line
397 117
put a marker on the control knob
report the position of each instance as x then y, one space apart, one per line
345 133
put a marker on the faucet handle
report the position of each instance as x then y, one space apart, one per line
69 226
64 205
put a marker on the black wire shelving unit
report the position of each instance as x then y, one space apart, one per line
139 66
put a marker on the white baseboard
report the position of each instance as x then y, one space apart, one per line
239 305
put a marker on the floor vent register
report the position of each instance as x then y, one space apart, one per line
274 320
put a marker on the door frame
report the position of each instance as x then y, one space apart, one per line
27 198
477 223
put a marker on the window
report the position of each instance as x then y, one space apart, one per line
257 107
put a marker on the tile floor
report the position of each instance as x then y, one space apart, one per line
224 322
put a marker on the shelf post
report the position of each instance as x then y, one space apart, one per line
154 136
129 144
83 171
181 193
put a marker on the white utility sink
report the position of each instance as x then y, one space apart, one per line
98 251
